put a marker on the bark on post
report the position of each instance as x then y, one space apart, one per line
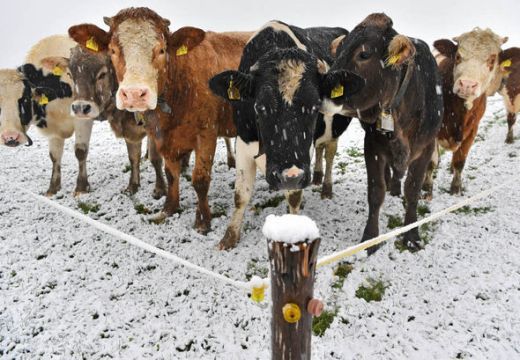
293 268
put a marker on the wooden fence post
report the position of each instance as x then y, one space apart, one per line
293 266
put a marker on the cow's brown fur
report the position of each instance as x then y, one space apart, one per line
511 87
198 117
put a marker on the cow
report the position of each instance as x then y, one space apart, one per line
166 76
470 71
276 97
36 95
509 60
94 90
399 107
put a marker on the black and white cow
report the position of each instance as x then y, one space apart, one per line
40 95
276 96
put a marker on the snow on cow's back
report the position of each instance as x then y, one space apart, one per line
51 46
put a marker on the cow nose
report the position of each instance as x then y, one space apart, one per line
134 97
291 179
468 87
11 138
82 108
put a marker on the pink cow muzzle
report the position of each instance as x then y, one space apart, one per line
11 138
135 99
466 88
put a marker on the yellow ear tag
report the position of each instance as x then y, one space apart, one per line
182 50
392 60
44 100
233 92
337 91
92 44
506 63
57 71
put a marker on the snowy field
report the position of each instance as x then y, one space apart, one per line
68 291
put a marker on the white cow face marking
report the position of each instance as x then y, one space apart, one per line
138 52
12 132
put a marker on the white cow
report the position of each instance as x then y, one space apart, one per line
36 94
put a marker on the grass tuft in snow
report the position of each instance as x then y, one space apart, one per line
341 272
321 323
394 221
354 152
88 208
423 209
342 167
269 203
218 210
373 290
256 269
141 209
468 210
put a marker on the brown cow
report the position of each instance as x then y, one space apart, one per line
510 89
156 67
469 71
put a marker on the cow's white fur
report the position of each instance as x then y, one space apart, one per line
11 89
138 39
289 78
277 26
475 47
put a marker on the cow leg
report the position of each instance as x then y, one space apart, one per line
330 153
317 177
412 192
82 132
244 185
134 156
395 182
201 179
428 178
230 156
55 153
171 204
294 198
157 162
185 162
511 119
458 161
375 163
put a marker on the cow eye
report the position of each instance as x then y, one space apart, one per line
364 55
162 51
102 75
458 58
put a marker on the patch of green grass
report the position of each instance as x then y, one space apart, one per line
394 221
187 177
141 209
218 210
127 168
272 202
354 152
373 290
468 210
341 271
88 208
342 167
423 209
255 269
321 323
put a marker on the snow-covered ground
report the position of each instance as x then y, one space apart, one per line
68 291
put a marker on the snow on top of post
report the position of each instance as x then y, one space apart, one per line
290 228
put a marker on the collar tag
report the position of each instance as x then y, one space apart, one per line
385 123
182 50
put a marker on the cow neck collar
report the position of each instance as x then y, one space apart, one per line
396 101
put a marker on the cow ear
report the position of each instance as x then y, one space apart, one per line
400 50
446 47
90 37
339 84
55 64
232 85
336 44
185 39
30 73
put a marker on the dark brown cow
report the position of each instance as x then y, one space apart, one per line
156 67
510 67
95 86
469 71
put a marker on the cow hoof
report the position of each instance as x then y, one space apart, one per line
158 193
412 242
427 196
326 191
50 193
160 218
229 240
317 178
202 228
510 139
373 249
231 163
78 193
455 189
395 191
131 189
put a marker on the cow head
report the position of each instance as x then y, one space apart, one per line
24 95
139 45
476 65
284 89
94 81
374 51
